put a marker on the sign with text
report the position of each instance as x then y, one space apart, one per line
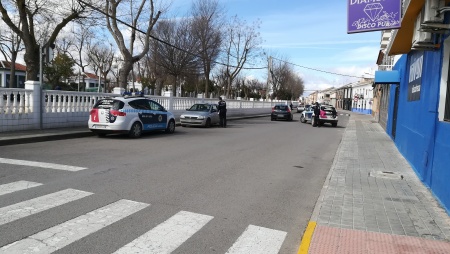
373 15
415 76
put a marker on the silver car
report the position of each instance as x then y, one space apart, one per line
200 114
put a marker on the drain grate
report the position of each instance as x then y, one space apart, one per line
386 174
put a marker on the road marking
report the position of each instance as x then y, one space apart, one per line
307 237
40 164
258 240
61 235
36 205
17 186
169 235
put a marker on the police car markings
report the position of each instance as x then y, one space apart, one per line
17 186
36 205
61 235
40 164
169 235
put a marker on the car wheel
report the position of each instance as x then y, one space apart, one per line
334 124
135 131
170 127
208 123
302 119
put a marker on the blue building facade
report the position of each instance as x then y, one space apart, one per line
418 121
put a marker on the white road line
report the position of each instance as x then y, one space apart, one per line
36 205
61 235
169 235
17 186
40 164
258 240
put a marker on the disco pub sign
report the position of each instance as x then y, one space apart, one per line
373 15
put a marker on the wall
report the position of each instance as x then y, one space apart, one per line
420 137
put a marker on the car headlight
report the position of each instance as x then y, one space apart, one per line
200 117
182 117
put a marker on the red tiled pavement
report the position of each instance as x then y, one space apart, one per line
330 240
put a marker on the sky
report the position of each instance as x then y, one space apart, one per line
312 34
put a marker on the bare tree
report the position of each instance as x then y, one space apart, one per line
141 14
39 24
10 46
206 26
176 56
101 58
286 84
241 45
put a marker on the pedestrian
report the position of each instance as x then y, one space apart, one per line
222 107
291 106
316 115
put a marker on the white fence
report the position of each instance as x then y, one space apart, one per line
31 108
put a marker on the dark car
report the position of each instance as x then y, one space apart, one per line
281 111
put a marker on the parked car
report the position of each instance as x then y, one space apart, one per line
130 114
301 107
294 105
200 114
281 111
328 114
307 114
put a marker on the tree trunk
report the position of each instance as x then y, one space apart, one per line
31 59
123 74
12 79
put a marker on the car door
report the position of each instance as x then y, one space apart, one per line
159 121
215 119
144 113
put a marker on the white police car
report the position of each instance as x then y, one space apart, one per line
130 114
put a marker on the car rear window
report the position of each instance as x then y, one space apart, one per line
109 104
281 107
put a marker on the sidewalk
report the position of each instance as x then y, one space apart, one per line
373 202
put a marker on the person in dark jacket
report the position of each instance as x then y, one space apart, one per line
316 115
222 107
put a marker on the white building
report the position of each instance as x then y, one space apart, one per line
5 74
362 94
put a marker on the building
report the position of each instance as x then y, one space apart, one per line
418 113
88 82
5 74
362 94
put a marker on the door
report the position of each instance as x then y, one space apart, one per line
394 116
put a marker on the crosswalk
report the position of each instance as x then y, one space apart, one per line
164 238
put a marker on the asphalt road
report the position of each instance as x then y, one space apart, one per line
257 172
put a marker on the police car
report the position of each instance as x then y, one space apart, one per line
129 114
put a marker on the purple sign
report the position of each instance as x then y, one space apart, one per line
373 15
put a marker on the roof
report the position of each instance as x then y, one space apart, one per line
7 65
91 75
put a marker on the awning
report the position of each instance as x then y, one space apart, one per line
401 41
387 77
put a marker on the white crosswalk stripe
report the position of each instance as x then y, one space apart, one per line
57 237
17 186
40 164
36 205
167 236
258 240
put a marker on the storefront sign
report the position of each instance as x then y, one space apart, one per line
415 76
373 15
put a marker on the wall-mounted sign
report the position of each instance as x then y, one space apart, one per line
415 76
373 15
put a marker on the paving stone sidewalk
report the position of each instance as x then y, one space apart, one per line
372 195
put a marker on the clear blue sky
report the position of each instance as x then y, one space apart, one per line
308 33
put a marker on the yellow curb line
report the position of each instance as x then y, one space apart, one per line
306 239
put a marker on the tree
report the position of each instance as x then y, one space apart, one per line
101 58
206 27
39 24
142 14
59 69
176 60
10 46
241 44
286 84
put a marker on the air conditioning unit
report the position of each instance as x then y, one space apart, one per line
420 38
430 11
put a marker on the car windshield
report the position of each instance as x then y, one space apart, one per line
109 104
200 107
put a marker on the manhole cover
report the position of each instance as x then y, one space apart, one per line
385 174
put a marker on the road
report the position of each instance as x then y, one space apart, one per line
195 191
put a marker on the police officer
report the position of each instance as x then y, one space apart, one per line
222 107
316 115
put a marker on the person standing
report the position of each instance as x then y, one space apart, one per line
316 115
222 107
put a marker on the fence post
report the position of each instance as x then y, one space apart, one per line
35 101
